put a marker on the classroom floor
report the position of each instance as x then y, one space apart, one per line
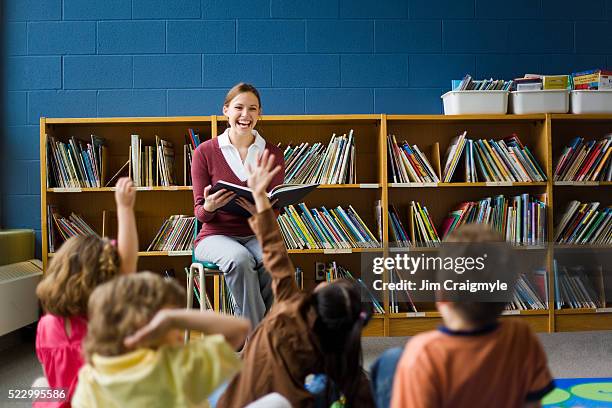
570 355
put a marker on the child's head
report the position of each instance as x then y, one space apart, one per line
474 238
81 264
120 307
340 319
242 106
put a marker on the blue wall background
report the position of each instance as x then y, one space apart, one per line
87 58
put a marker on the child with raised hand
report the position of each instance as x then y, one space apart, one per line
134 349
474 360
81 264
317 333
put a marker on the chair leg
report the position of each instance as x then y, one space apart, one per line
192 269
202 289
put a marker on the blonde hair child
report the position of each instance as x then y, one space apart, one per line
134 352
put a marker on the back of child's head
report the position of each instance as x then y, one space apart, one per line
120 307
341 317
473 240
80 264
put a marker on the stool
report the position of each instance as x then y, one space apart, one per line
204 269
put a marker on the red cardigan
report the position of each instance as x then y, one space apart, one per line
209 166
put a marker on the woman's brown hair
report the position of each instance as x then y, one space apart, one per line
120 307
81 264
239 89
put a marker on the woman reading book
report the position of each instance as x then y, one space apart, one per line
226 238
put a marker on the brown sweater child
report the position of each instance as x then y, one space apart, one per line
302 334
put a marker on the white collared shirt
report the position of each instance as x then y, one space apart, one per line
232 156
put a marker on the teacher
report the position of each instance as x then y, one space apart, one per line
225 238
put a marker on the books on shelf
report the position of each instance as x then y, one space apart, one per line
520 219
76 163
506 160
151 166
528 294
335 271
469 84
397 297
285 194
578 287
408 163
333 163
422 229
585 161
192 141
60 228
585 223
592 79
175 234
399 235
337 228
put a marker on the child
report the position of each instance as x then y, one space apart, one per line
80 265
302 334
135 356
475 359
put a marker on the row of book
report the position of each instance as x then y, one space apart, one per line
408 164
506 160
304 228
520 219
335 271
530 294
585 161
319 163
76 163
585 223
60 228
175 234
470 84
592 79
152 166
192 140
578 287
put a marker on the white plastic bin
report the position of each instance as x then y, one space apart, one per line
591 101
475 102
539 101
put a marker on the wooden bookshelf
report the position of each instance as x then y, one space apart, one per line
544 134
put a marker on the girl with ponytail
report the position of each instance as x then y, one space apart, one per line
79 266
317 333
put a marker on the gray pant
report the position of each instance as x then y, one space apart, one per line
241 260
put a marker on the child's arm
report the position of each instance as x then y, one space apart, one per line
264 224
127 236
234 329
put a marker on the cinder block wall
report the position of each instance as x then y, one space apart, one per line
84 58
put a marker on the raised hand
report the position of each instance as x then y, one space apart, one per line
125 194
262 174
216 200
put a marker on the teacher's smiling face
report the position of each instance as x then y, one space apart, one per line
242 113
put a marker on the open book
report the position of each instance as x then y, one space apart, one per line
286 194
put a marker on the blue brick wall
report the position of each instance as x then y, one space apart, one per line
77 58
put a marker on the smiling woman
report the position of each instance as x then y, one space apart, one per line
227 239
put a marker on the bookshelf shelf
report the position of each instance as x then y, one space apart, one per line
190 188
583 311
475 185
545 135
